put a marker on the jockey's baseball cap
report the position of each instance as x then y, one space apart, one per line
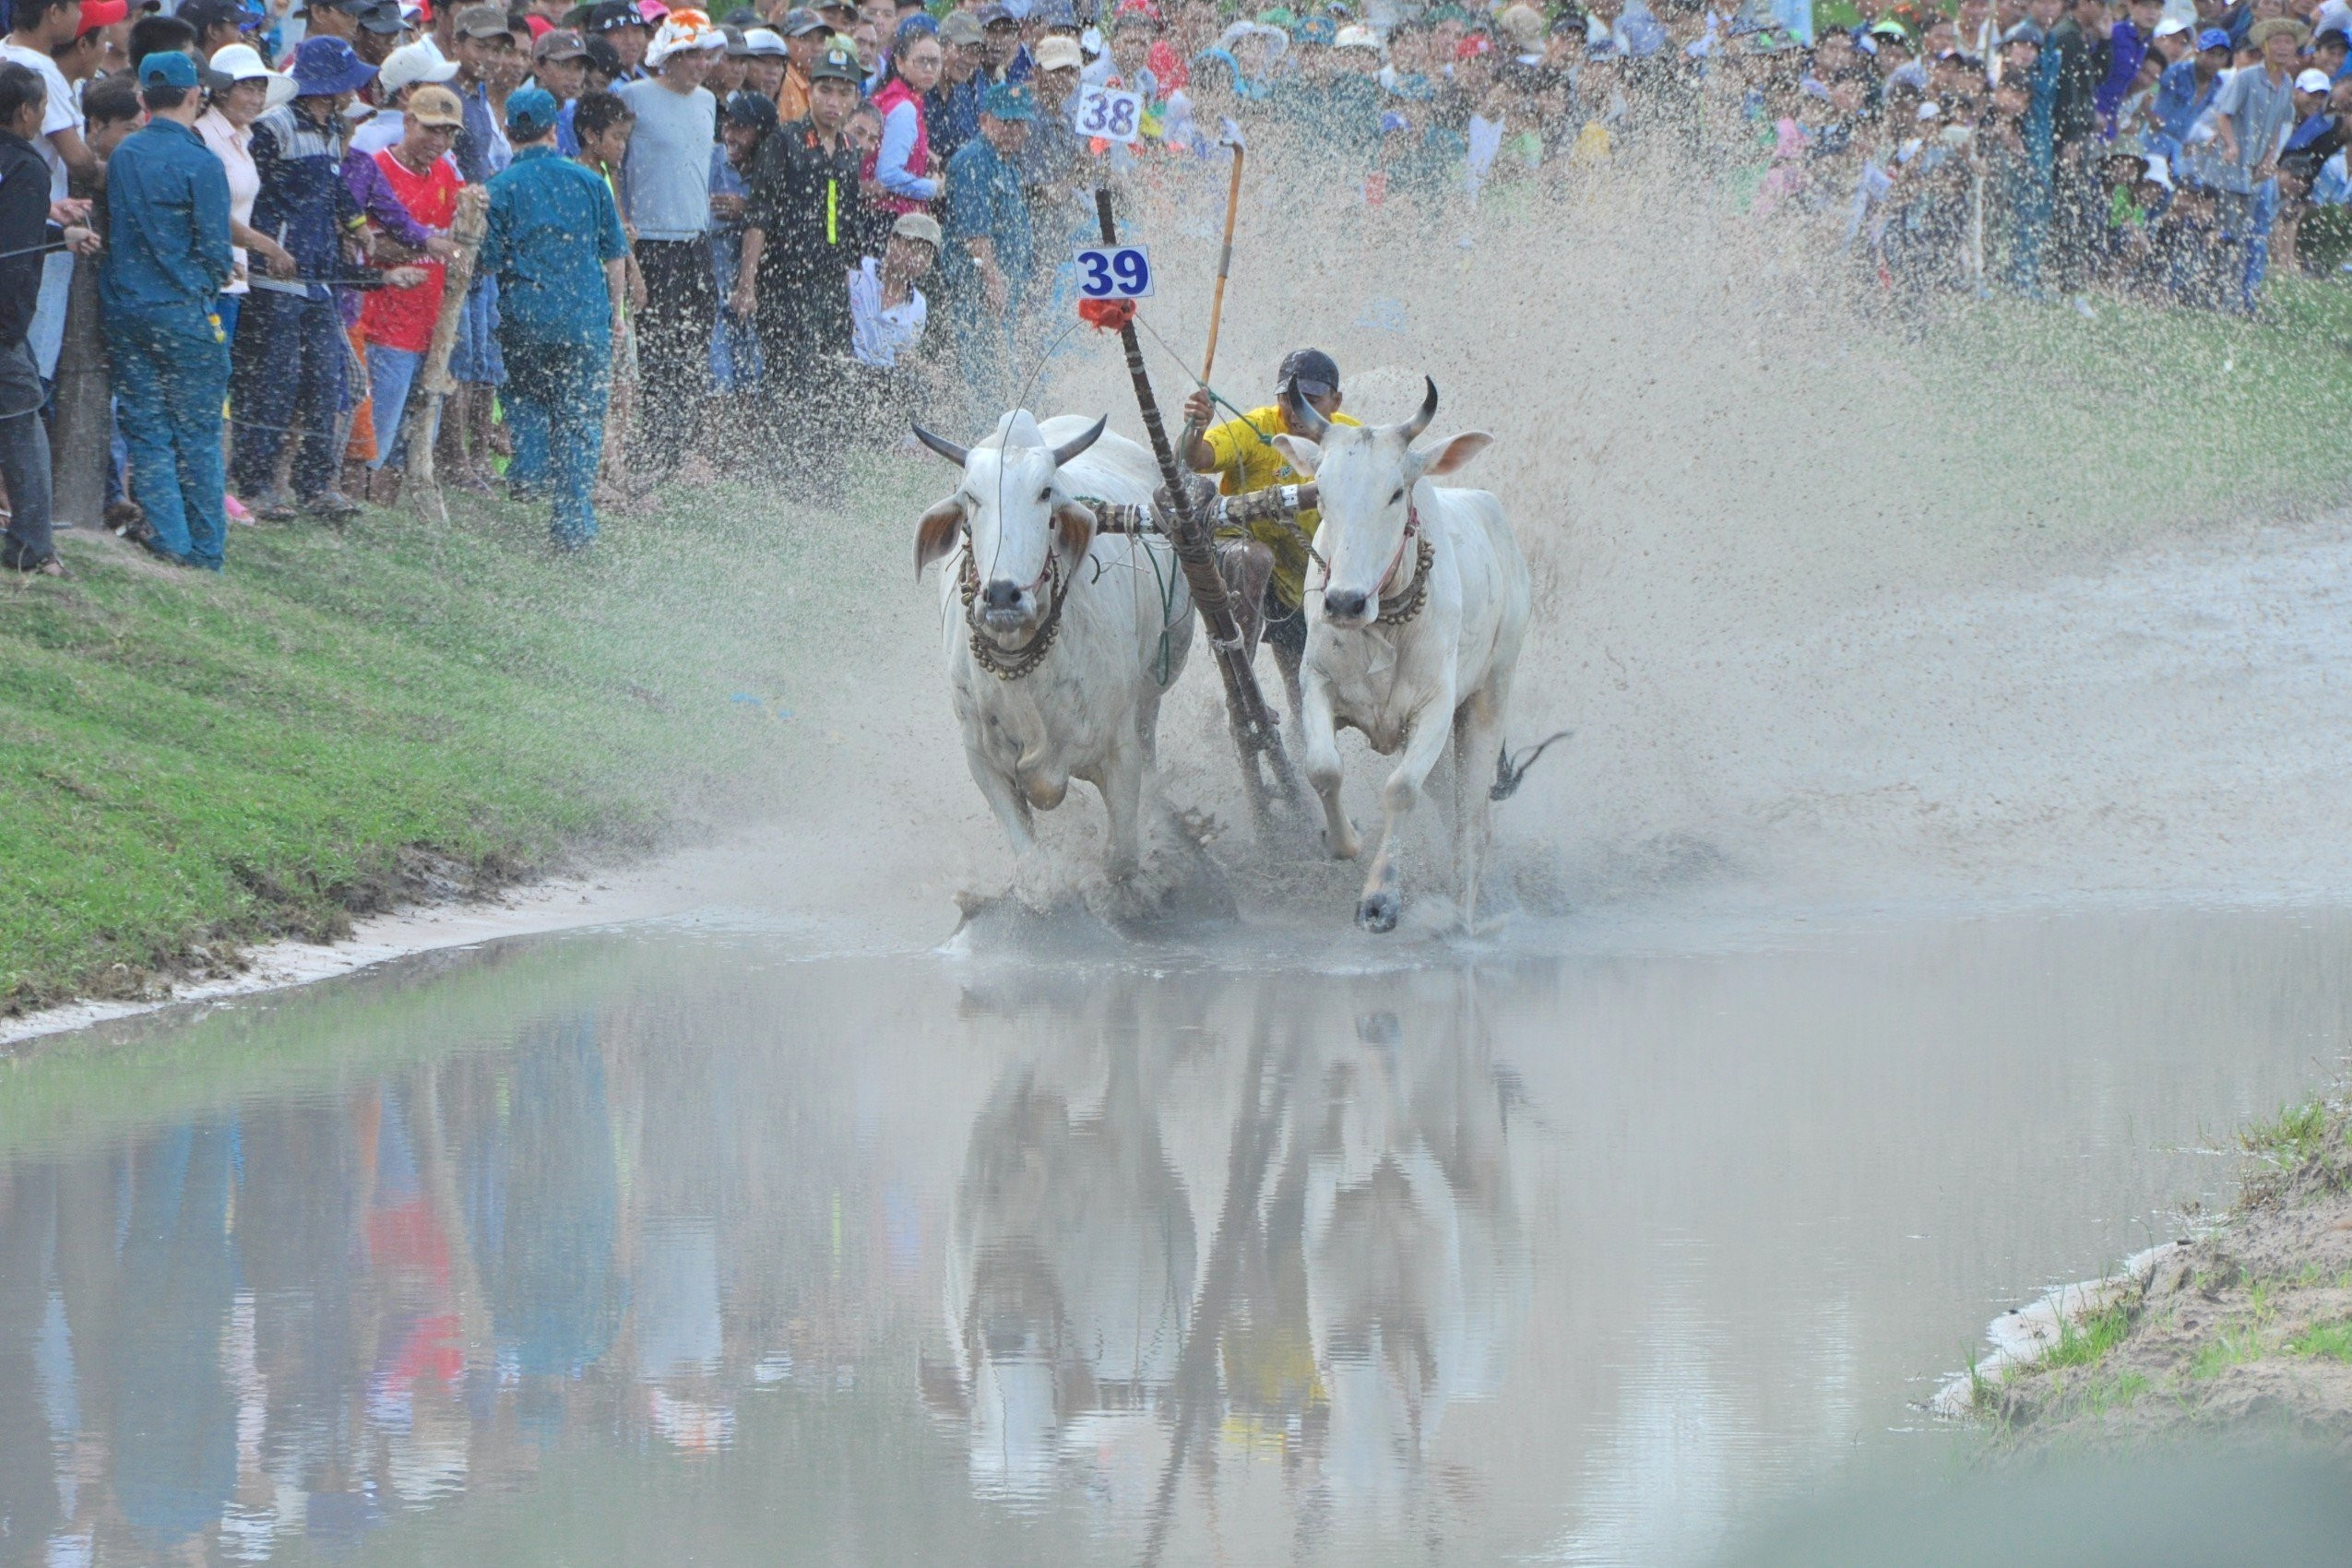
1311 371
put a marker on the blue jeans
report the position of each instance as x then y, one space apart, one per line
474 354
170 372
290 356
556 397
390 373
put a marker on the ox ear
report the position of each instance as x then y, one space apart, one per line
935 534
1303 454
1456 453
1074 525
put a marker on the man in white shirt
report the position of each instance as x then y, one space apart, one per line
887 313
665 198
43 28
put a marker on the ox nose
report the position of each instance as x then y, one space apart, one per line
1000 594
1343 607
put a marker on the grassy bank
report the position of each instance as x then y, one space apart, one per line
2249 1328
2143 414
350 718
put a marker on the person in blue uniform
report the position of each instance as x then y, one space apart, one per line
167 204
986 263
556 246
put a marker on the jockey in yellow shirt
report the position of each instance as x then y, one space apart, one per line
1244 458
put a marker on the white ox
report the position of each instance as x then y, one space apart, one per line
1414 636
1061 640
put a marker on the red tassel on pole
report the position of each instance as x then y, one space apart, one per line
1107 315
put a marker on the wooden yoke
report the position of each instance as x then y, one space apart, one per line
467 229
1256 734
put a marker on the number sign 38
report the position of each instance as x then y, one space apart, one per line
1110 114
1114 272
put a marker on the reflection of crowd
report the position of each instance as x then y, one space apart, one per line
302 1316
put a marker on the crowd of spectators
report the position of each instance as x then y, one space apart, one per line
737 243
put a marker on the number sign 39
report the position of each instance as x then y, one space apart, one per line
1114 272
1113 115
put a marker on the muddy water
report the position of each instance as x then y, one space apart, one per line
671 1246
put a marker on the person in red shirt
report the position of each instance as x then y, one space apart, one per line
398 323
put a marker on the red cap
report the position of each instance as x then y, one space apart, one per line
539 24
1470 48
99 14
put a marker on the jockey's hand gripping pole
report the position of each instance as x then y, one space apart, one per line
1256 734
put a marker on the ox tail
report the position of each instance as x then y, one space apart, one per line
1508 774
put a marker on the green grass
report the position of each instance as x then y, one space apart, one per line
2232 419
2086 1344
2231 1347
186 758
2118 1392
2330 1339
2294 1136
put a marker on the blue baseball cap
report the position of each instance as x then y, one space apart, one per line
2212 37
1007 101
530 112
166 67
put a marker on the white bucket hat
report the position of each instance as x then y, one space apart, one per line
240 62
683 32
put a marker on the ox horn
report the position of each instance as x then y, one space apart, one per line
939 445
1302 416
1080 442
1413 427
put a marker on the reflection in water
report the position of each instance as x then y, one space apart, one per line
638 1251
1364 1268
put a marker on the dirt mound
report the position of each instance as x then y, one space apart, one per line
2247 1327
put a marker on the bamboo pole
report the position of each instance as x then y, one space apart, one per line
472 224
1256 735
1224 256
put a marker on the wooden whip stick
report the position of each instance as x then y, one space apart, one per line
1256 734
468 228
1230 134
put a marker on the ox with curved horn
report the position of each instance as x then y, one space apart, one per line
1414 636
1060 642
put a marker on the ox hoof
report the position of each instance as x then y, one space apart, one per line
1377 913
